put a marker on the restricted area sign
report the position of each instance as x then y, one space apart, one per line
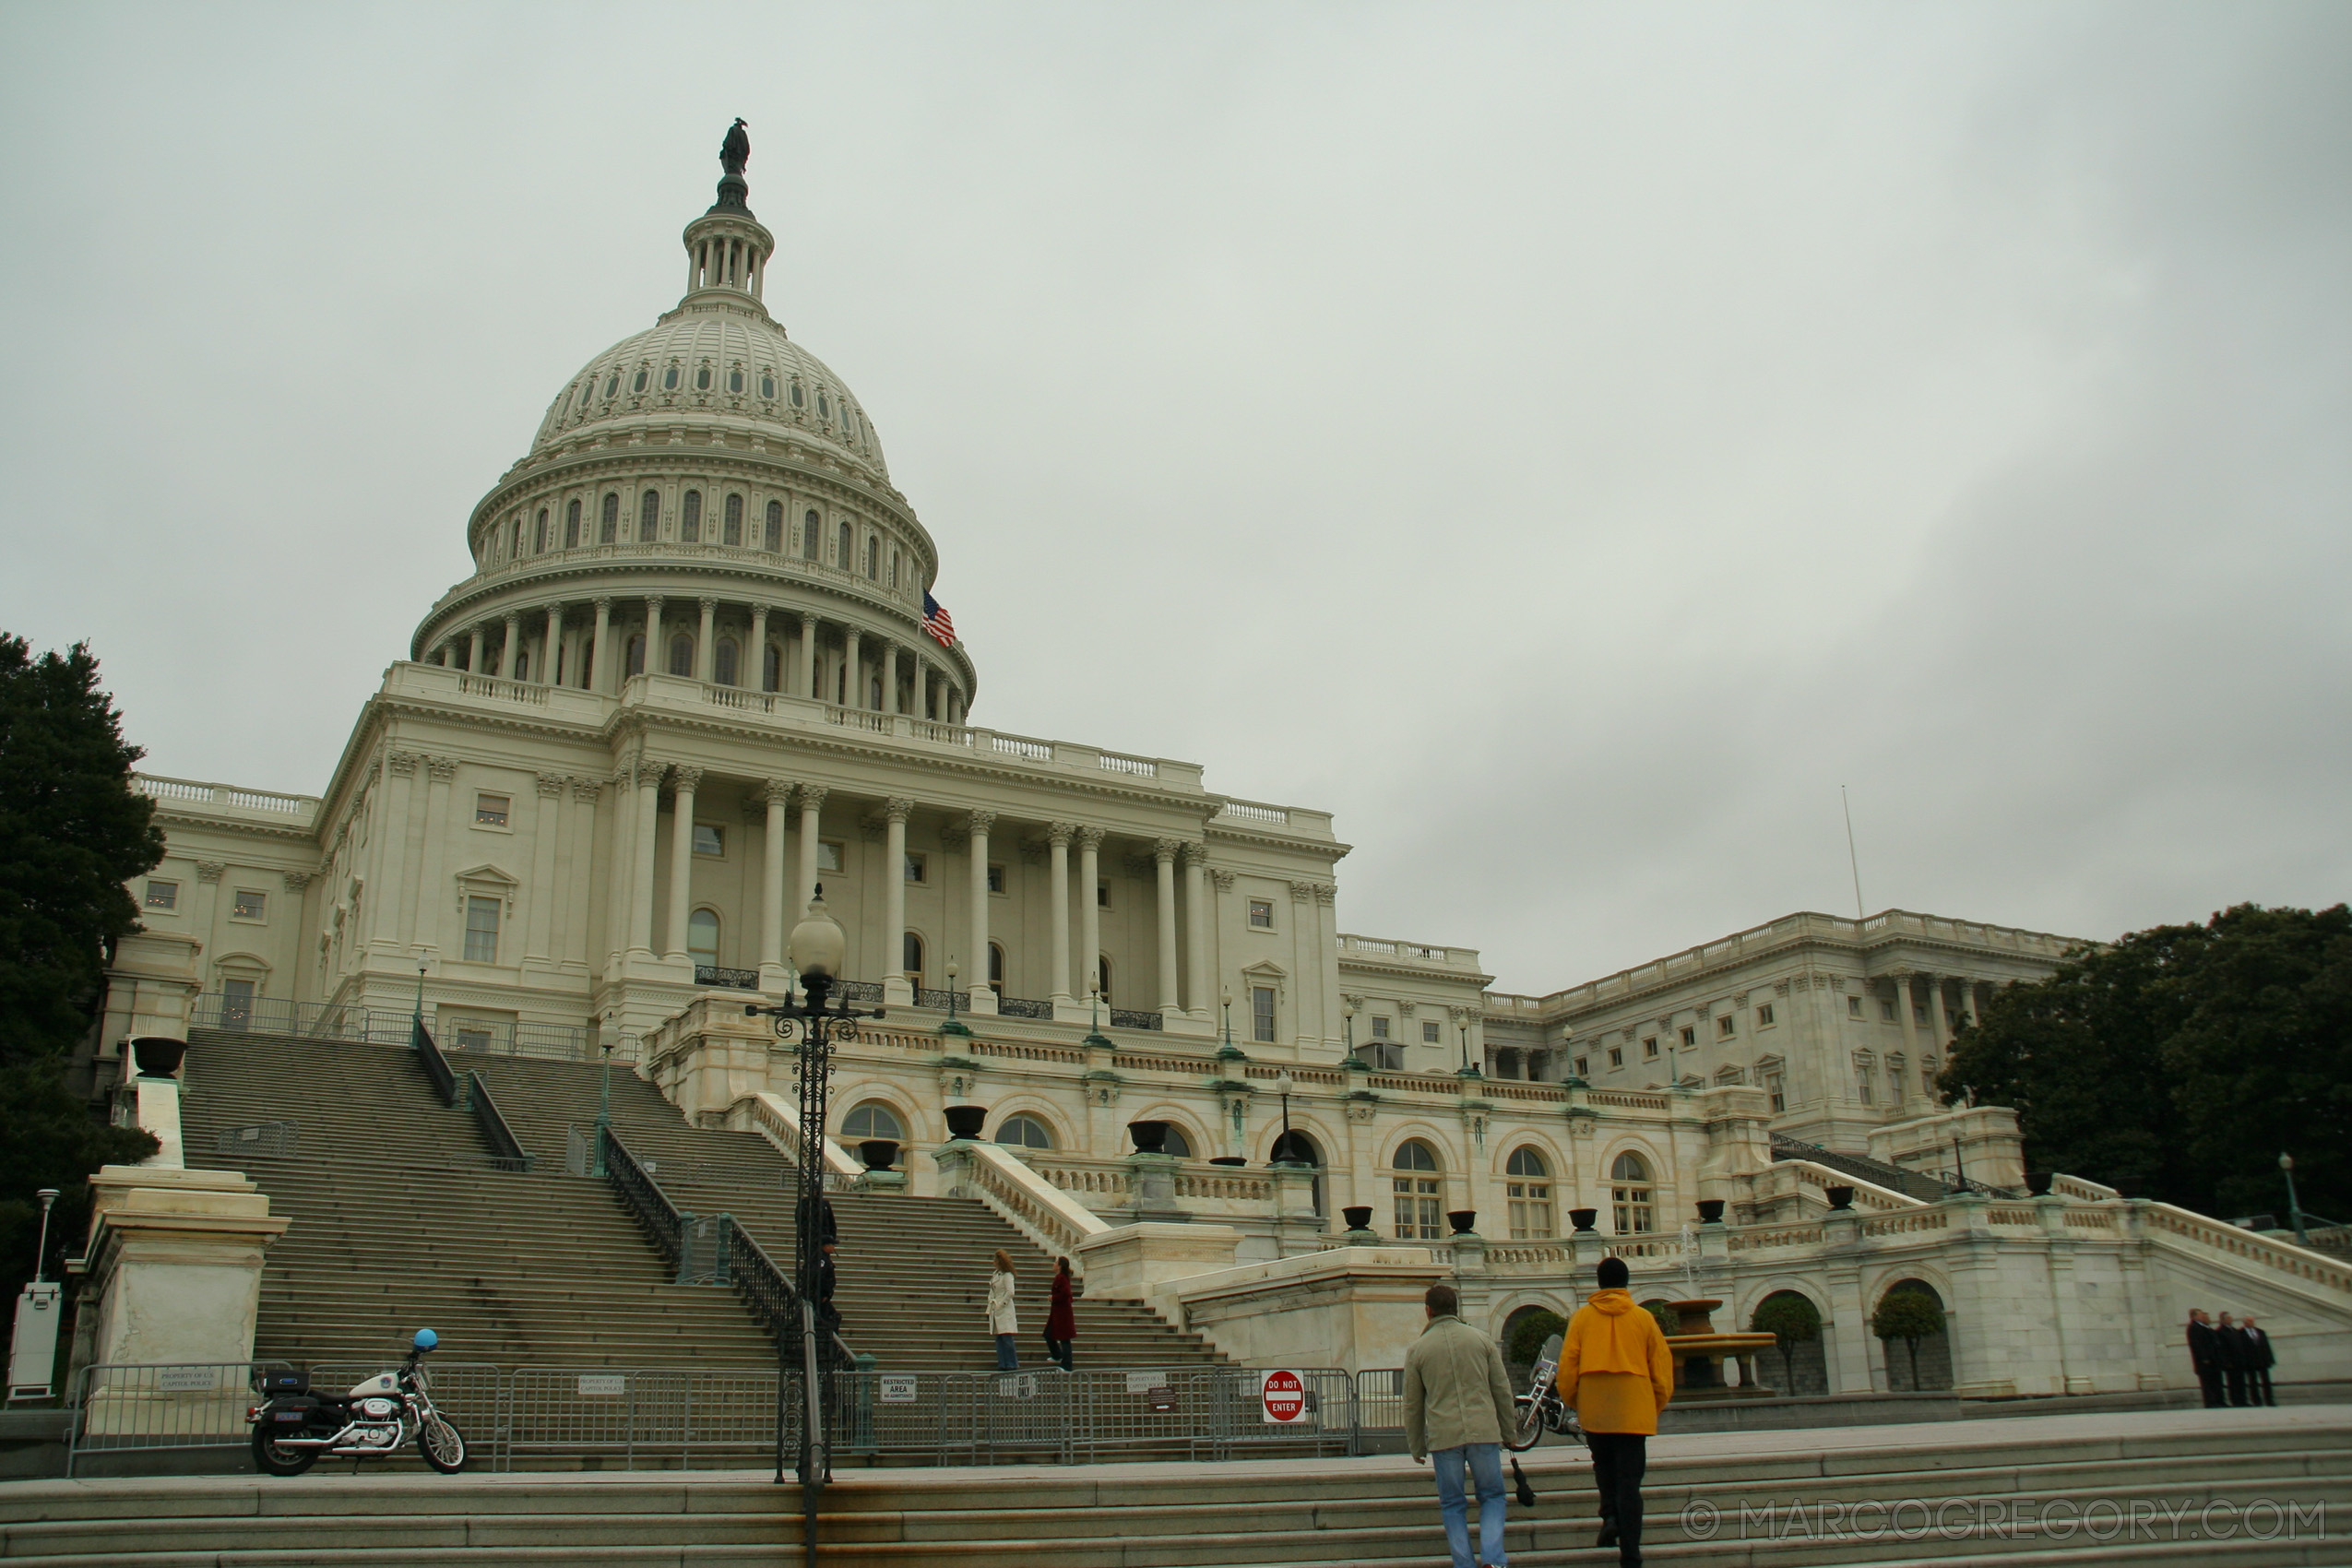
1283 1396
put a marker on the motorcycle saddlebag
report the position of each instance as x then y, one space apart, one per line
284 1380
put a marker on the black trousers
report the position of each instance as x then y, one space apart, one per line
2237 1380
2209 1380
1058 1352
1619 1459
2258 1387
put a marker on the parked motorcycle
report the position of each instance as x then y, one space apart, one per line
1540 1409
294 1425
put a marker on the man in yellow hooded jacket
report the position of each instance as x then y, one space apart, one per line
1616 1370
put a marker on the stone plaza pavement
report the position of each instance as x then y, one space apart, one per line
2187 1486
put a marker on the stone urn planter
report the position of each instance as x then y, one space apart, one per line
879 1154
1462 1219
1582 1218
158 1056
1839 1197
1710 1211
2038 1181
1359 1220
965 1120
1149 1137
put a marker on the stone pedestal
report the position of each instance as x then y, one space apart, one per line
155 1103
1132 1262
1354 1308
150 987
1153 1179
171 1271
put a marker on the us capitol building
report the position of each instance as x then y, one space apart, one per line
697 671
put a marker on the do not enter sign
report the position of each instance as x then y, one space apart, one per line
1284 1397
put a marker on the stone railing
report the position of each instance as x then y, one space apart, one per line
1903 1223
1504 1088
1267 1072
1111 1178
156 786
1412 951
2302 1262
1743 1240
2080 1191
1397 1083
780 1122
1628 1099
1034 1205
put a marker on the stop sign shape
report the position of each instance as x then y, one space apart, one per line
1284 1395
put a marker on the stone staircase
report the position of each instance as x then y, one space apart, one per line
2162 1486
401 1222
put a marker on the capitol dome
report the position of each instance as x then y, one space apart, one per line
718 358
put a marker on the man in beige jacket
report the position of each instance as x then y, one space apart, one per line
1457 1407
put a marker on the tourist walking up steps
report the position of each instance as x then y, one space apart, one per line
1061 1318
1615 1369
1458 1407
1003 1320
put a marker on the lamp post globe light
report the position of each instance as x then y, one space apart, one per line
1283 1153
2294 1204
815 951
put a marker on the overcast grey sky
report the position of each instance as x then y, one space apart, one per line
1568 442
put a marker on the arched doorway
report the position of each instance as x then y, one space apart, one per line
1523 1333
1934 1358
1805 1368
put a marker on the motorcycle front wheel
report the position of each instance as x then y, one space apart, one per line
271 1459
1527 1431
442 1445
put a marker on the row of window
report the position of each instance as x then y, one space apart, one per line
530 534
706 377
162 896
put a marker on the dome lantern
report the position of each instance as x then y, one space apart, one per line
726 247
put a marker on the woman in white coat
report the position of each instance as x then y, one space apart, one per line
1003 1320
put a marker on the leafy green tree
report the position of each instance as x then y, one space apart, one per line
1909 1316
2180 1061
1668 1320
1791 1320
72 832
1527 1334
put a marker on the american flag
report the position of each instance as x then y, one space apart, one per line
938 623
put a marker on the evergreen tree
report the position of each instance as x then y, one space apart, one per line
72 832
2179 1062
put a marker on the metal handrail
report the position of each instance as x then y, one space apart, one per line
1924 1185
643 1196
768 1289
506 1151
1122 1018
437 1066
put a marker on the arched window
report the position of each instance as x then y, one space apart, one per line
767 387
572 526
1178 1144
1023 1131
735 381
1296 1147
636 663
730 531
874 1120
702 379
612 384
873 559
638 384
516 551
771 669
681 655
1418 1192
775 540
690 517
539 537
723 662
702 938
845 554
611 520
796 395
1102 977
910 955
894 571
809 546
1628 1179
1926 1363
996 967
649 516
522 664
669 379
1530 1191
823 409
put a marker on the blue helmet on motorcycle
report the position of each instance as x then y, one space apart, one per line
426 1339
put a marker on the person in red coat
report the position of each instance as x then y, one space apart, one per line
1061 1318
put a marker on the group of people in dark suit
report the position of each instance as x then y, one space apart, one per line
2233 1360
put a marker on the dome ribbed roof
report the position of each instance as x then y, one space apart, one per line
714 358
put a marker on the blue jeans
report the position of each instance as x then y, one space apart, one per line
1009 1360
1485 1463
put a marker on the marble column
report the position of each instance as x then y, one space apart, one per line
506 647
805 684
1089 912
656 661
648 808
977 965
705 649
1903 1012
757 675
579 853
620 863
1057 837
1937 1016
1163 854
811 804
852 685
473 650
551 660
682 858
890 677
597 676
542 897
777 794
1197 1000
895 990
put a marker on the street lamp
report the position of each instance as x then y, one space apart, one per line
951 1027
2294 1205
1283 1084
1468 1071
418 1020
41 1253
1227 1052
1347 1018
815 950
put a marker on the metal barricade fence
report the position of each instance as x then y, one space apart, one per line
120 1407
1379 1399
658 1417
471 1394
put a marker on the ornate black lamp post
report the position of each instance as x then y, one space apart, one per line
2294 1203
815 951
